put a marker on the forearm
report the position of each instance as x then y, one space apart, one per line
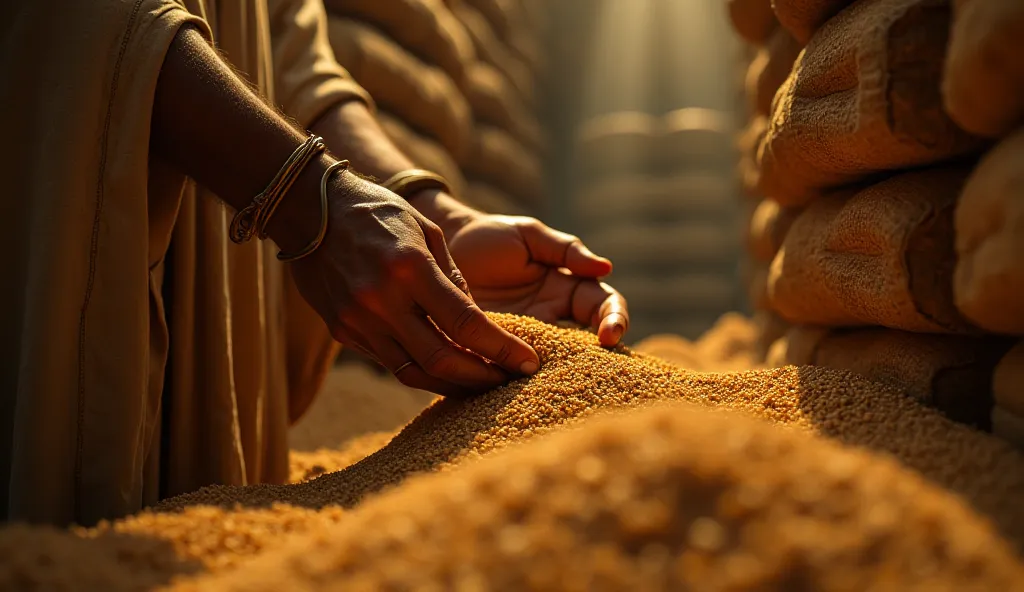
211 125
351 129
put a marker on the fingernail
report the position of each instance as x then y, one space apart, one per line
529 367
617 331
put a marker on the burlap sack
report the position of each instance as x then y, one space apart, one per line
752 19
796 347
635 198
768 228
881 257
769 69
487 198
497 13
757 287
950 373
617 143
501 160
769 328
423 152
427 28
421 95
495 102
1008 426
493 50
1008 382
984 76
696 139
989 281
665 245
803 17
748 169
863 99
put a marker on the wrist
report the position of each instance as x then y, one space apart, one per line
444 210
296 221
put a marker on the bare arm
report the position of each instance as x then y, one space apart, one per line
382 269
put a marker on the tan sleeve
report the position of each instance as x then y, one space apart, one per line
307 78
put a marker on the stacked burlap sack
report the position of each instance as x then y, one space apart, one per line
440 97
654 198
903 259
771 52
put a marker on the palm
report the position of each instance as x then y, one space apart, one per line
517 265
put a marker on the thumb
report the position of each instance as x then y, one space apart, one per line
559 249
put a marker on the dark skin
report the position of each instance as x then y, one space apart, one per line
383 277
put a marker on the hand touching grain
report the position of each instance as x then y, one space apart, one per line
519 265
384 282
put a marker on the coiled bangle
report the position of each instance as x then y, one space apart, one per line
315 243
253 219
410 182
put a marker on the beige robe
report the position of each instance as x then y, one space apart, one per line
91 425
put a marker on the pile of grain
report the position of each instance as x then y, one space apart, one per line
879 223
579 377
664 494
641 501
456 93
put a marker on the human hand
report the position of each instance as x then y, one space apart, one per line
384 282
519 265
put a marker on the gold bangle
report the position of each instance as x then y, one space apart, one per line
252 220
315 243
411 182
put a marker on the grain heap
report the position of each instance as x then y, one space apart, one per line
642 495
639 501
881 241
440 100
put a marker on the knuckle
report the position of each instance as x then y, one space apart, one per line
503 353
468 323
440 362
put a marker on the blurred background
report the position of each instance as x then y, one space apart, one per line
611 119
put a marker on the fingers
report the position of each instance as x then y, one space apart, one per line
439 249
558 249
465 324
400 363
599 305
439 357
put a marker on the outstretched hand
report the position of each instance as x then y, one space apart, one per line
519 265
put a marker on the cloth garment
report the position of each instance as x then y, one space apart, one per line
883 256
950 373
753 20
769 70
422 95
426 28
863 100
983 81
423 151
495 102
767 231
502 160
802 18
989 280
88 429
